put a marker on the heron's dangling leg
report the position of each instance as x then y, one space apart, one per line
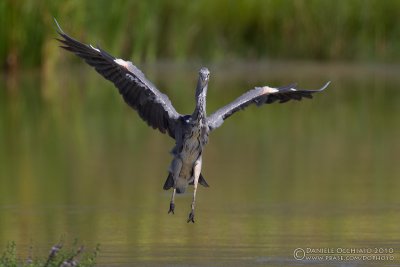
196 174
174 169
172 203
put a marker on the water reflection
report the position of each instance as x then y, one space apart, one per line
76 162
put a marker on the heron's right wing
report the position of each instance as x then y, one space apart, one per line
153 106
259 96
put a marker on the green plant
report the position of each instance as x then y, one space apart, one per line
58 257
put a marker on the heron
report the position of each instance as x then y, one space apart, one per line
190 131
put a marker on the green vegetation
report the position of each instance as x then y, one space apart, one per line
207 30
57 257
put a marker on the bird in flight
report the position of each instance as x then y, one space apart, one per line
190 132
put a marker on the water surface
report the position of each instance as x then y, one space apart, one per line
76 162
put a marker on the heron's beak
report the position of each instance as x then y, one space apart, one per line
204 81
204 86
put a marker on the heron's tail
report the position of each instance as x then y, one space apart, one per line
181 185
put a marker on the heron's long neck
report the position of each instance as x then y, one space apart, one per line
199 113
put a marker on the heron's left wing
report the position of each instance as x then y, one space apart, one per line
259 96
153 106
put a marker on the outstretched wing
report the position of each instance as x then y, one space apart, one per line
153 106
259 96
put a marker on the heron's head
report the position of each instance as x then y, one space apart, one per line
204 76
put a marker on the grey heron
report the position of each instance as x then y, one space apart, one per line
190 132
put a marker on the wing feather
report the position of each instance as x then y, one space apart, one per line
260 96
153 106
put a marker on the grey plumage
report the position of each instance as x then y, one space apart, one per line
189 131
260 96
153 106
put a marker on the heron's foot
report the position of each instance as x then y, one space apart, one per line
191 217
171 208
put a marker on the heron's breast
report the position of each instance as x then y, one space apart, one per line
192 146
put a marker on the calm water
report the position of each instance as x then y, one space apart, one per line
76 162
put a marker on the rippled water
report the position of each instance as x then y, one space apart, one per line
76 162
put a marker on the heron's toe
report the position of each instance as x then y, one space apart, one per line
191 217
171 208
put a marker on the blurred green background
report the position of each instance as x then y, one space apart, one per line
77 162
352 30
